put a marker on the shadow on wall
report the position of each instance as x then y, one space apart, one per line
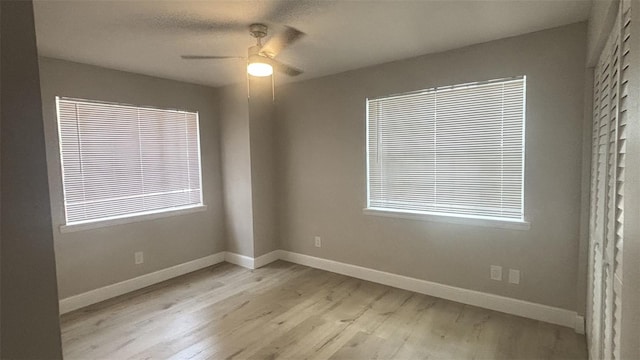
28 284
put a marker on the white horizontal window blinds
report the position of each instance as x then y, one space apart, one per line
455 151
120 160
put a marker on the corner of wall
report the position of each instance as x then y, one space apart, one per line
601 20
247 141
236 169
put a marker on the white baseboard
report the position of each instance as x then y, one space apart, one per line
110 291
503 304
580 324
267 258
252 263
240 260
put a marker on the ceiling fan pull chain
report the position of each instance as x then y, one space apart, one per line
248 84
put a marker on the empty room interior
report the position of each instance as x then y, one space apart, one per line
280 179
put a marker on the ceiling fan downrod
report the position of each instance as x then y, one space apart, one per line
258 31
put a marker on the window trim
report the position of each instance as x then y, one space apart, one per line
130 218
503 223
67 227
499 223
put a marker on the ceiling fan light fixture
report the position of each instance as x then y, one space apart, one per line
259 69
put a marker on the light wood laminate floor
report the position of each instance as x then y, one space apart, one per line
289 311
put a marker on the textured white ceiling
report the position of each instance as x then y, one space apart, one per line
148 37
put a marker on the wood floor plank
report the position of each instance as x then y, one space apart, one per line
178 319
234 340
225 316
293 318
288 311
367 346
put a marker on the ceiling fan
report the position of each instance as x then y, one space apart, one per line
261 58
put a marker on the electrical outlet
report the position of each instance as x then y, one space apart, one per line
496 272
514 276
138 257
318 241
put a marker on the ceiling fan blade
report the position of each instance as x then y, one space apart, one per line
284 68
280 41
206 57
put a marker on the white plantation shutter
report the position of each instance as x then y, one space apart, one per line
611 114
617 251
456 150
121 160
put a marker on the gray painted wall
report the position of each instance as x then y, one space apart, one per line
262 137
321 170
601 18
248 167
30 325
91 259
236 164
0 191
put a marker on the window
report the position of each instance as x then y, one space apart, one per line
456 151
121 161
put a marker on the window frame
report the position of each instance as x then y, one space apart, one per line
140 216
463 219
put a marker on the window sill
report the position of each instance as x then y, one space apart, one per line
129 219
452 219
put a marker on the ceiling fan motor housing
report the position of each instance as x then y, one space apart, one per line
258 31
